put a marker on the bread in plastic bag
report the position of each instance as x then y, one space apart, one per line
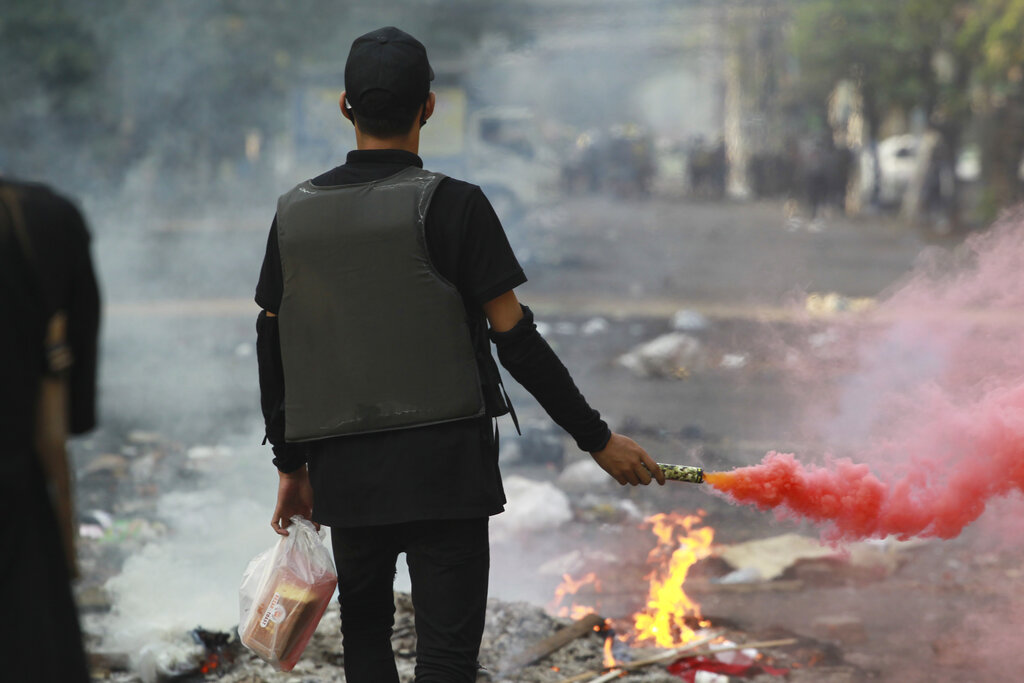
284 593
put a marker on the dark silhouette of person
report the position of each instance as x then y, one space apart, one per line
48 347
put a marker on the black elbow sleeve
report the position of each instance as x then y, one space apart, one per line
534 364
288 457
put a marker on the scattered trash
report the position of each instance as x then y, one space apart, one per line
616 511
207 452
770 557
806 558
222 649
595 326
724 664
144 468
742 575
167 660
532 506
832 303
94 524
143 437
689 321
106 463
734 361
670 355
121 530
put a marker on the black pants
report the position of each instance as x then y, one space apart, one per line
449 561
41 640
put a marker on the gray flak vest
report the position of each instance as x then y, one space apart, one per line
373 338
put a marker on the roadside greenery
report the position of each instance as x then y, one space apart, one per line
958 63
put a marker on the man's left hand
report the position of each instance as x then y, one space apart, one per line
294 497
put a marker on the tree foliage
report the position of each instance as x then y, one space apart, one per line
960 62
887 47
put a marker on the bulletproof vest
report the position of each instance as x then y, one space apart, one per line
373 338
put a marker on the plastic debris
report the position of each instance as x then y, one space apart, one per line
770 557
734 361
163 661
532 506
595 326
206 452
722 665
670 355
689 321
832 303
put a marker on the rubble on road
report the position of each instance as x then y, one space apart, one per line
533 505
673 355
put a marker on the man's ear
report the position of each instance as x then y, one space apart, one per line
345 111
428 108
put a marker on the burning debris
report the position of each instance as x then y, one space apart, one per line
680 546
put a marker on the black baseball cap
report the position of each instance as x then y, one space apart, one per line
386 68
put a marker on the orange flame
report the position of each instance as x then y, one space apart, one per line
210 664
668 606
570 587
609 658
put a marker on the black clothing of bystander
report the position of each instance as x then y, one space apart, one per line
63 280
53 273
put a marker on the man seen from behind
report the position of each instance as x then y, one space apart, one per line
382 288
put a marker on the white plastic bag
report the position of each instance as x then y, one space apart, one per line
285 591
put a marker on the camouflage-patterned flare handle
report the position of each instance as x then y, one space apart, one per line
691 475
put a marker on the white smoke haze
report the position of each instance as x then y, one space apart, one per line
191 577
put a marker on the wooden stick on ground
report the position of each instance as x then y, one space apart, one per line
660 657
610 676
554 642
686 651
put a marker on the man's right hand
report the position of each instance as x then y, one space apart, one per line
627 462
294 497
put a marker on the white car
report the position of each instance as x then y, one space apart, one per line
897 158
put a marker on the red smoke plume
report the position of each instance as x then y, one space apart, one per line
935 404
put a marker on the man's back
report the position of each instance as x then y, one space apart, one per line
448 470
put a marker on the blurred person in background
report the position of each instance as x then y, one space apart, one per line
48 350
381 287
